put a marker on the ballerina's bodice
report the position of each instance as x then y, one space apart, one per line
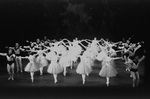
10 57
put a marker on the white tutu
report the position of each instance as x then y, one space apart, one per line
107 70
54 68
32 66
43 61
84 67
65 61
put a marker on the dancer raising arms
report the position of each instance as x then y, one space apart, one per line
32 66
10 63
134 69
108 69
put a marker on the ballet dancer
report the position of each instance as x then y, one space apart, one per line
54 67
32 66
10 63
134 69
84 67
108 69
17 50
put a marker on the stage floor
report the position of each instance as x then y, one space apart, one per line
71 86
72 78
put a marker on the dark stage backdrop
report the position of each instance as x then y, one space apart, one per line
31 19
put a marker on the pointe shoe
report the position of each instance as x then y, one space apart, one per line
9 78
32 80
87 74
83 82
107 83
133 85
12 78
130 75
64 74
41 73
55 81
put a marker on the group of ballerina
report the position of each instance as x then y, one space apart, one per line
58 55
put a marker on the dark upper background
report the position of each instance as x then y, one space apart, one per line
31 19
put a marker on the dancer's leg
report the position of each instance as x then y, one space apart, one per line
83 78
12 71
134 78
32 76
41 71
107 81
55 78
8 70
20 64
17 64
65 71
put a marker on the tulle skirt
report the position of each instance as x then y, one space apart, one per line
72 57
31 67
43 61
83 68
65 62
90 61
107 71
54 68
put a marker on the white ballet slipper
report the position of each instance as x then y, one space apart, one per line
9 78
12 78
84 82
87 74
41 73
55 81
32 80
107 84
133 85
64 74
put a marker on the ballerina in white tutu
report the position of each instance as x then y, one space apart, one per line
32 66
65 62
108 69
41 59
54 67
84 67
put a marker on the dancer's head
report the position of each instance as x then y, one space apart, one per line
17 45
10 51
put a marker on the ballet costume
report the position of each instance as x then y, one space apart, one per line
32 66
84 67
43 62
10 66
108 69
64 63
74 51
54 67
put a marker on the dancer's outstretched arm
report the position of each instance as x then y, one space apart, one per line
3 54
